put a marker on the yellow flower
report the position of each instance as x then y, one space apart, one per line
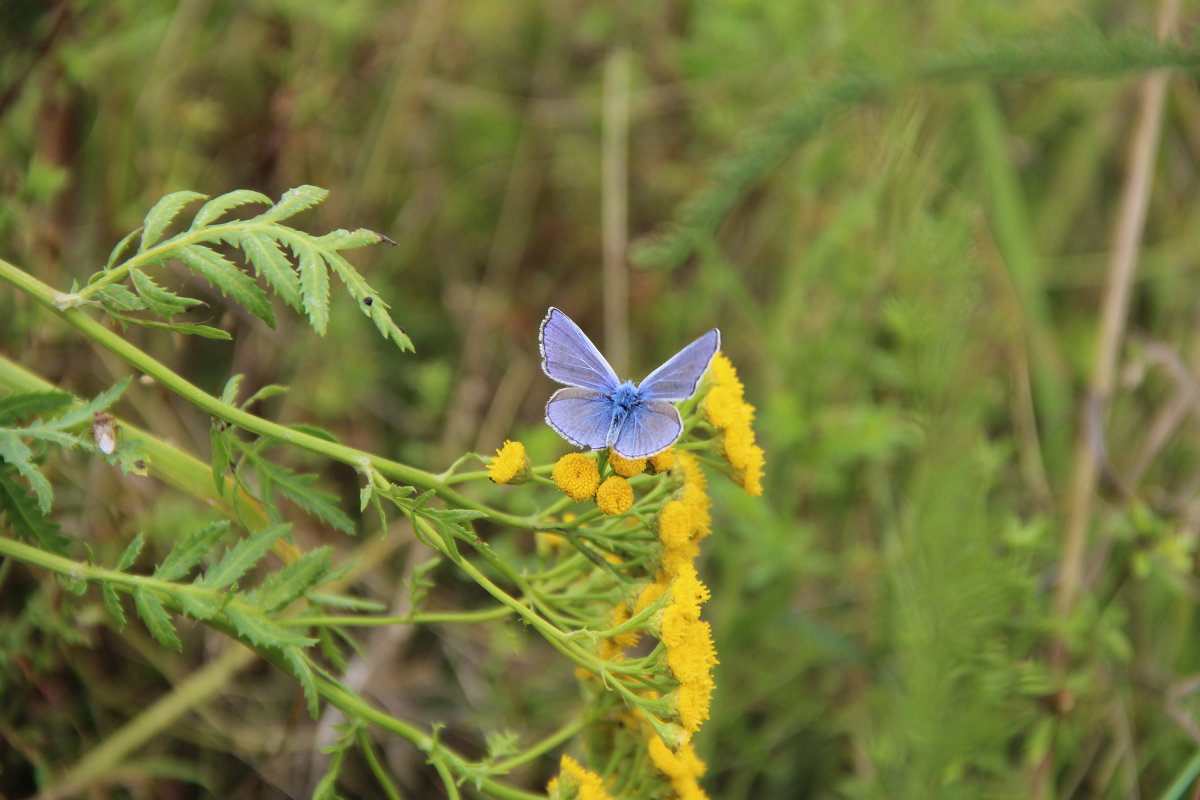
675 525
621 615
726 408
664 461
615 495
695 496
623 466
590 785
577 476
692 701
682 767
510 464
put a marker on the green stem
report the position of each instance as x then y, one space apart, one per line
381 776
358 459
403 619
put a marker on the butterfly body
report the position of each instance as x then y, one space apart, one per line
597 410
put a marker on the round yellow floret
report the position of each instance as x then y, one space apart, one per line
664 461
625 467
510 464
577 476
590 785
675 525
615 495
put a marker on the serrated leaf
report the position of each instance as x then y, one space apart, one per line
116 297
230 390
263 631
130 553
220 457
158 622
186 328
313 430
342 601
280 588
268 260
231 281
116 252
298 666
190 551
265 393
16 453
292 202
26 519
299 489
453 514
160 216
221 204
240 558
342 239
197 606
361 291
314 285
85 411
161 301
15 407
113 603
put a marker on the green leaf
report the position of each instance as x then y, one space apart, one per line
314 285
453 514
161 301
190 551
15 407
229 393
27 519
342 239
269 261
117 251
265 393
158 622
231 281
220 456
113 603
292 202
160 216
361 291
243 556
342 601
85 411
16 453
299 489
118 298
219 205
130 553
186 328
297 664
198 607
280 588
314 430
263 631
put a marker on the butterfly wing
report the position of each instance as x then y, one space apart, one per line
581 416
647 430
568 356
677 379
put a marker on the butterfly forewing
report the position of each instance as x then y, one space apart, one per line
648 429
677 379
581 416
568 356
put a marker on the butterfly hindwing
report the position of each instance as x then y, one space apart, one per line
647 430
568 355
678 377
581 416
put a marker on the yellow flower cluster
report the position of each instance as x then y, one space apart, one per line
510 464
681 766
664 461
615 495
623 466
577 476
578 781
726 408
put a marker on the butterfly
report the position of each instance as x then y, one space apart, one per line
596 410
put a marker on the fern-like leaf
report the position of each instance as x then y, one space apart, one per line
20 457
298 665
263 632
190 551
292 202
160 216
280 588
157 299
158 621
130 553
242 557
113 603
231 281
26 518
214 209
16 407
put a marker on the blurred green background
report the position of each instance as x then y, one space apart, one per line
900 215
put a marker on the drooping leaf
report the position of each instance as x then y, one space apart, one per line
18 454
161 301
300 490
116 297
15 407
158 621
297 664
113 603
215 208
280 588
231 281
130 553
26 518
243 556
263 631
370 303
265 393
190 551
160 216
314 285
292 202
186 328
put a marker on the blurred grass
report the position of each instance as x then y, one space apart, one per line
906 266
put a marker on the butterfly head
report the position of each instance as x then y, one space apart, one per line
626 397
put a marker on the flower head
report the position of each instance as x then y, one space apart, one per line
682 767
510 464
588 784
664 461
615 495
726 408
625 467
577 476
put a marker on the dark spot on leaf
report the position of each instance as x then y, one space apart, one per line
368 300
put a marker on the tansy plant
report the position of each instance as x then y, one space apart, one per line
611 584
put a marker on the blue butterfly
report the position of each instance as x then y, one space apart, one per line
597 410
